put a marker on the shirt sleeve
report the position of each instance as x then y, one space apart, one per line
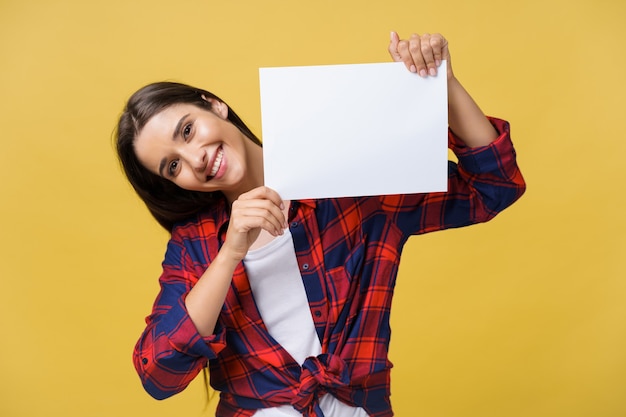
170 351
485 181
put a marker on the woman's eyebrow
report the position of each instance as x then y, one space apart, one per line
179 126
162 166
176 133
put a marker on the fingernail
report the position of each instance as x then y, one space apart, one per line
423 73
432 72
413 69
437 62
282 206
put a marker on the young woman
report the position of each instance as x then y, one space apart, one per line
287 301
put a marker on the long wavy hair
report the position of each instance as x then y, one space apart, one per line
167 202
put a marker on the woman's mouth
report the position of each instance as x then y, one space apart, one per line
216 163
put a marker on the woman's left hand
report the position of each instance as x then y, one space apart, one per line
421 54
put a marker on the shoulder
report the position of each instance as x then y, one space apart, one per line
204 223
198 237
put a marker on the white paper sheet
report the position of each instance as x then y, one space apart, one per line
353 130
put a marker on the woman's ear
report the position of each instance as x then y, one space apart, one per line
217 107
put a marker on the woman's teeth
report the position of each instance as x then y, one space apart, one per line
217 163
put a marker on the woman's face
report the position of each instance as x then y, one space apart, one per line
197 149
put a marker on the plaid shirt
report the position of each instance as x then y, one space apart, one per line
348 251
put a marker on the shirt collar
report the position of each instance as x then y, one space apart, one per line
308 202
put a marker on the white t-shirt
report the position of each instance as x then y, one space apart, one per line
281 299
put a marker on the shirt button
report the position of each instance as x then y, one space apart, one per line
318 313
144 361
305 266
294 224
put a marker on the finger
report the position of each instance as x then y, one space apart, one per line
252 219
428 56
263 192
437 45
415 50
258 213
445 55
393 47
247 224
405 55
277 201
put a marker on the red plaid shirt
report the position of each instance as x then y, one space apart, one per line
348 251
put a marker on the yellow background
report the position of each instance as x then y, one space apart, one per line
523 316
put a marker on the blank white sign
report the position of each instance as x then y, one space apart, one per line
353 130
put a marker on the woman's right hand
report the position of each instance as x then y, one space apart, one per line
259 209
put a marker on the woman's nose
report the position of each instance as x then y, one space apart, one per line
196 158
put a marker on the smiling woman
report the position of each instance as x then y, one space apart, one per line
167 202
287 302
200 150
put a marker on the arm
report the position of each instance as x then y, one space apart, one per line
486 181
260 208
182 331
487 178
170 352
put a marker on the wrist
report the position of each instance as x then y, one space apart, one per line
452 81
228 258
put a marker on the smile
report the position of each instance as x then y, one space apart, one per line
216 163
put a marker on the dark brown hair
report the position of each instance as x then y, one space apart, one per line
167 202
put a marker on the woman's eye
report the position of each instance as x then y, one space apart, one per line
173 168
187 131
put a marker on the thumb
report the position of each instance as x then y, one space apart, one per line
393 47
